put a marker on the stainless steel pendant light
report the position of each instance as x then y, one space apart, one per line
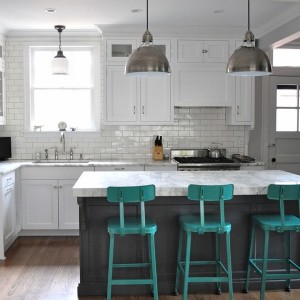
147 60
249 60
60 64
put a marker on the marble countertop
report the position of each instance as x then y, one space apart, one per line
94 184
11 165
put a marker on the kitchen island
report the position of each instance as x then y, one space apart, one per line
250 188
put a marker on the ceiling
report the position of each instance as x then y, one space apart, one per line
209 15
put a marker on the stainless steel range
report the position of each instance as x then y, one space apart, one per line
200 160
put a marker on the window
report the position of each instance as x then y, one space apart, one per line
73 99
287 108
286 57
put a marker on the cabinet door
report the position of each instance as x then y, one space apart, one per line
197 51
68 207
121 96
119 50
215 51
155 99
39 204
242 110
198 85
189 51
9 215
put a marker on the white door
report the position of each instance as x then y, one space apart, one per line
121 96
68 207
284 124
39 204
155 99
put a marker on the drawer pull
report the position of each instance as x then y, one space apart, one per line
119 169
9 190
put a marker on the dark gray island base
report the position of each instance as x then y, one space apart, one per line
94 240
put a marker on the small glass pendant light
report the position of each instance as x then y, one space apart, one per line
60 64
147 60
249 60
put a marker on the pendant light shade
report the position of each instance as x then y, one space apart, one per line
249 60
147 60
60 64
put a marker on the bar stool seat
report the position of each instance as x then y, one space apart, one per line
128 225
202 223
132 225
280 223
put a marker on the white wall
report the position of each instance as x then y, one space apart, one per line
194 127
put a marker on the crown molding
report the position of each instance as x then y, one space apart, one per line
289 14
170 31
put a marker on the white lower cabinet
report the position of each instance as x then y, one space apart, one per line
8 224
48 204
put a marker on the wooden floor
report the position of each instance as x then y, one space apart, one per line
47 268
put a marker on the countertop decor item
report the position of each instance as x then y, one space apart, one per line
249 60
62 126
60 64
147 60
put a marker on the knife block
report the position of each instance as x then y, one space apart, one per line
158 152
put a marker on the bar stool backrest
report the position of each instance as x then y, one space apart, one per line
131 194
284 192
211 193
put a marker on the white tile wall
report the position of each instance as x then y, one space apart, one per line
194 127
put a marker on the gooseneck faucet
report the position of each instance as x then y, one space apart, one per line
63 141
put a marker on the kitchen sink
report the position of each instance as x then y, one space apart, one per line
63 161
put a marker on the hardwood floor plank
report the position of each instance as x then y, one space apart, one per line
47 268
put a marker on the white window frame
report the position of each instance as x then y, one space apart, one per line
96 113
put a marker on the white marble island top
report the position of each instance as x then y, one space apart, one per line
94 184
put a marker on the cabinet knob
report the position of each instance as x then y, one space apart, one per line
204 51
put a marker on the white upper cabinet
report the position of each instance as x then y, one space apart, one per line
194 51
200 74
242 94
135 100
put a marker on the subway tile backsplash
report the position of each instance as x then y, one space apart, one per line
193 127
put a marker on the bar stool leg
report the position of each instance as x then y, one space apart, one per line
110 266
178 260
229 266
252 239
153 267
218 258
150 261
187 266
264 266
288 257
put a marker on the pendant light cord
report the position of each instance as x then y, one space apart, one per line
147 15
59 40
248 15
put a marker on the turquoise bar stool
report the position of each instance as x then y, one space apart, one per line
280 223
200 224
141 225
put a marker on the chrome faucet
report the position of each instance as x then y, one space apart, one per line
63 141
56 154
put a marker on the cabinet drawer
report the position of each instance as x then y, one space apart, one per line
53 172
120 168
8 179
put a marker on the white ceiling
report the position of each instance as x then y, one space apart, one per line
16 15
